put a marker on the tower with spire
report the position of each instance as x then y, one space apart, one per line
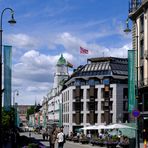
61 71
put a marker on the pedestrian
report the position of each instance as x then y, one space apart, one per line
60 137
52 139
29 133
89 136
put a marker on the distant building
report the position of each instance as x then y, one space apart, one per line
95 94
22 113
54 96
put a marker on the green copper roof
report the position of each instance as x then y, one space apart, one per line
61 60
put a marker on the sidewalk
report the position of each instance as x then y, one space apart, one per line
141 145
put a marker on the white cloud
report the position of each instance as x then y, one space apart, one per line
70 43
22 41
33 72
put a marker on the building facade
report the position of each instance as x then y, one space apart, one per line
138 13
22 113
53 100
95 94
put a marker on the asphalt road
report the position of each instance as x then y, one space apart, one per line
68 144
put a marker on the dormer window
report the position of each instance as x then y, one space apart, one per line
78 83
91 82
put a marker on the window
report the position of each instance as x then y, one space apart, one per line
145 102
111 105
74 118
87 118
102 118
77 82
78 106
125 106
141 49
106 94
141 73
142 23
125 93
96 118
111 118
81 120
102 92
125 117
111 92
102 105
96 106
91 82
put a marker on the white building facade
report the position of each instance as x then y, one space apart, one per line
54 96
85 100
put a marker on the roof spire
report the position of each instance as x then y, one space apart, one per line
61 60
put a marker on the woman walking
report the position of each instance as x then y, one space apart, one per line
52 139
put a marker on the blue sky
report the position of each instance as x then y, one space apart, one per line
45 29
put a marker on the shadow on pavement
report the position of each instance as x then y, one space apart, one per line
24 141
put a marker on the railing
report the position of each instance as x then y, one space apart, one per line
134 5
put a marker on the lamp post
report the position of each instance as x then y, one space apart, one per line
11 21
128 30
15 93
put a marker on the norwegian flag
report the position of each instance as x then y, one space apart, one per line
83 50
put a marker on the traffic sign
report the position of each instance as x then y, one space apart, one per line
136 113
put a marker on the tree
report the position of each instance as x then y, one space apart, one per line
8 118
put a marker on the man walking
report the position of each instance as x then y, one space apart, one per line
60 138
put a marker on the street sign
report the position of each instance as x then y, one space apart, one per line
136 113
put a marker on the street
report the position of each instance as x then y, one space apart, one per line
68 144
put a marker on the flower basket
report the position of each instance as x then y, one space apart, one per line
84 140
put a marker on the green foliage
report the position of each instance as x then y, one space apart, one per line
37 108
33 145
8 118
30 111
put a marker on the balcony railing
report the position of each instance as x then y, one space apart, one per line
133 6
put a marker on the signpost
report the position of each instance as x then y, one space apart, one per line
136 113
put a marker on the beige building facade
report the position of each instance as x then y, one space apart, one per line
138 13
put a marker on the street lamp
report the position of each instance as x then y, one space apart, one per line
11 21
15 93
128 30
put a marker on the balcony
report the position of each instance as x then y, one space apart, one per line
133 6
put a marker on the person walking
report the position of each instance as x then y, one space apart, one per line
30 134
52 139
60 137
